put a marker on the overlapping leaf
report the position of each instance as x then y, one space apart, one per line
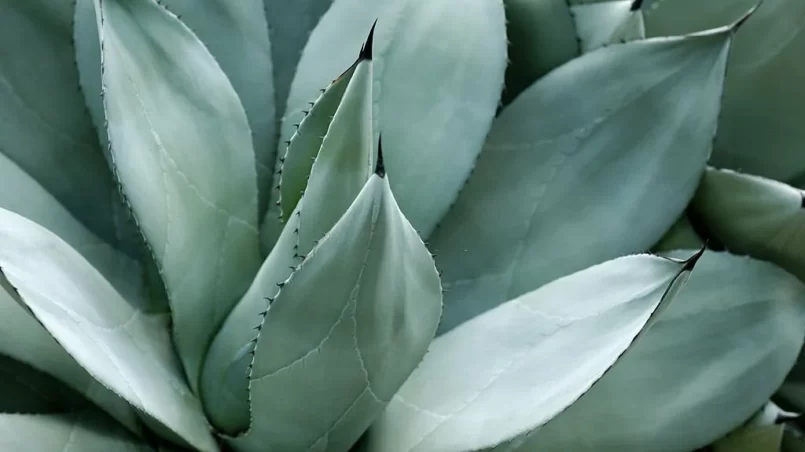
44 125
596 160
760 130
345 331
183 153
75 432
711 360
128 352
754 215
496 378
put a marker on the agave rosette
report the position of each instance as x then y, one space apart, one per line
248 226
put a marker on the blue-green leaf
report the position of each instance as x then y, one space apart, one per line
596 160
183 152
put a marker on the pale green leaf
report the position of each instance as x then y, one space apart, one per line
341 169
130 353
304 145
83 431
289 26
44 125
763 99
438 74
596 160
332 47
344 332
236 34
23 338
183 153
712 359
507 372
753 215
542 36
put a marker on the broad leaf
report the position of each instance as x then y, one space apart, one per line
344 332
82 431
128 352
753 215
183 153
44 125
435 103
509 371
712 359
235 32
681 236
763 99
340 171
24 339
596 160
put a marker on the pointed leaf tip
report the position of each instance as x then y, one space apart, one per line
742 20
366 48
690 263
380 168
636 4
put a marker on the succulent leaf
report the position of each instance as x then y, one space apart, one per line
507 372
341 170
44 125
754 215
345 331
127 351
289 27
424 54
762 107
681 236
304 145
614 140
235 34
84 431
710 361
184 158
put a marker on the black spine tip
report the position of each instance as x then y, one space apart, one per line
366 49
636 4
690 263
802 203
380 167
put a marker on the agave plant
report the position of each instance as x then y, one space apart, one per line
400 225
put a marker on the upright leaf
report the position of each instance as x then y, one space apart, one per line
753 215
439 73
763 98
496 378
712 359
235 32
596 160
126 351
44 126
345 331
602 23
340 171
83 431
183 153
